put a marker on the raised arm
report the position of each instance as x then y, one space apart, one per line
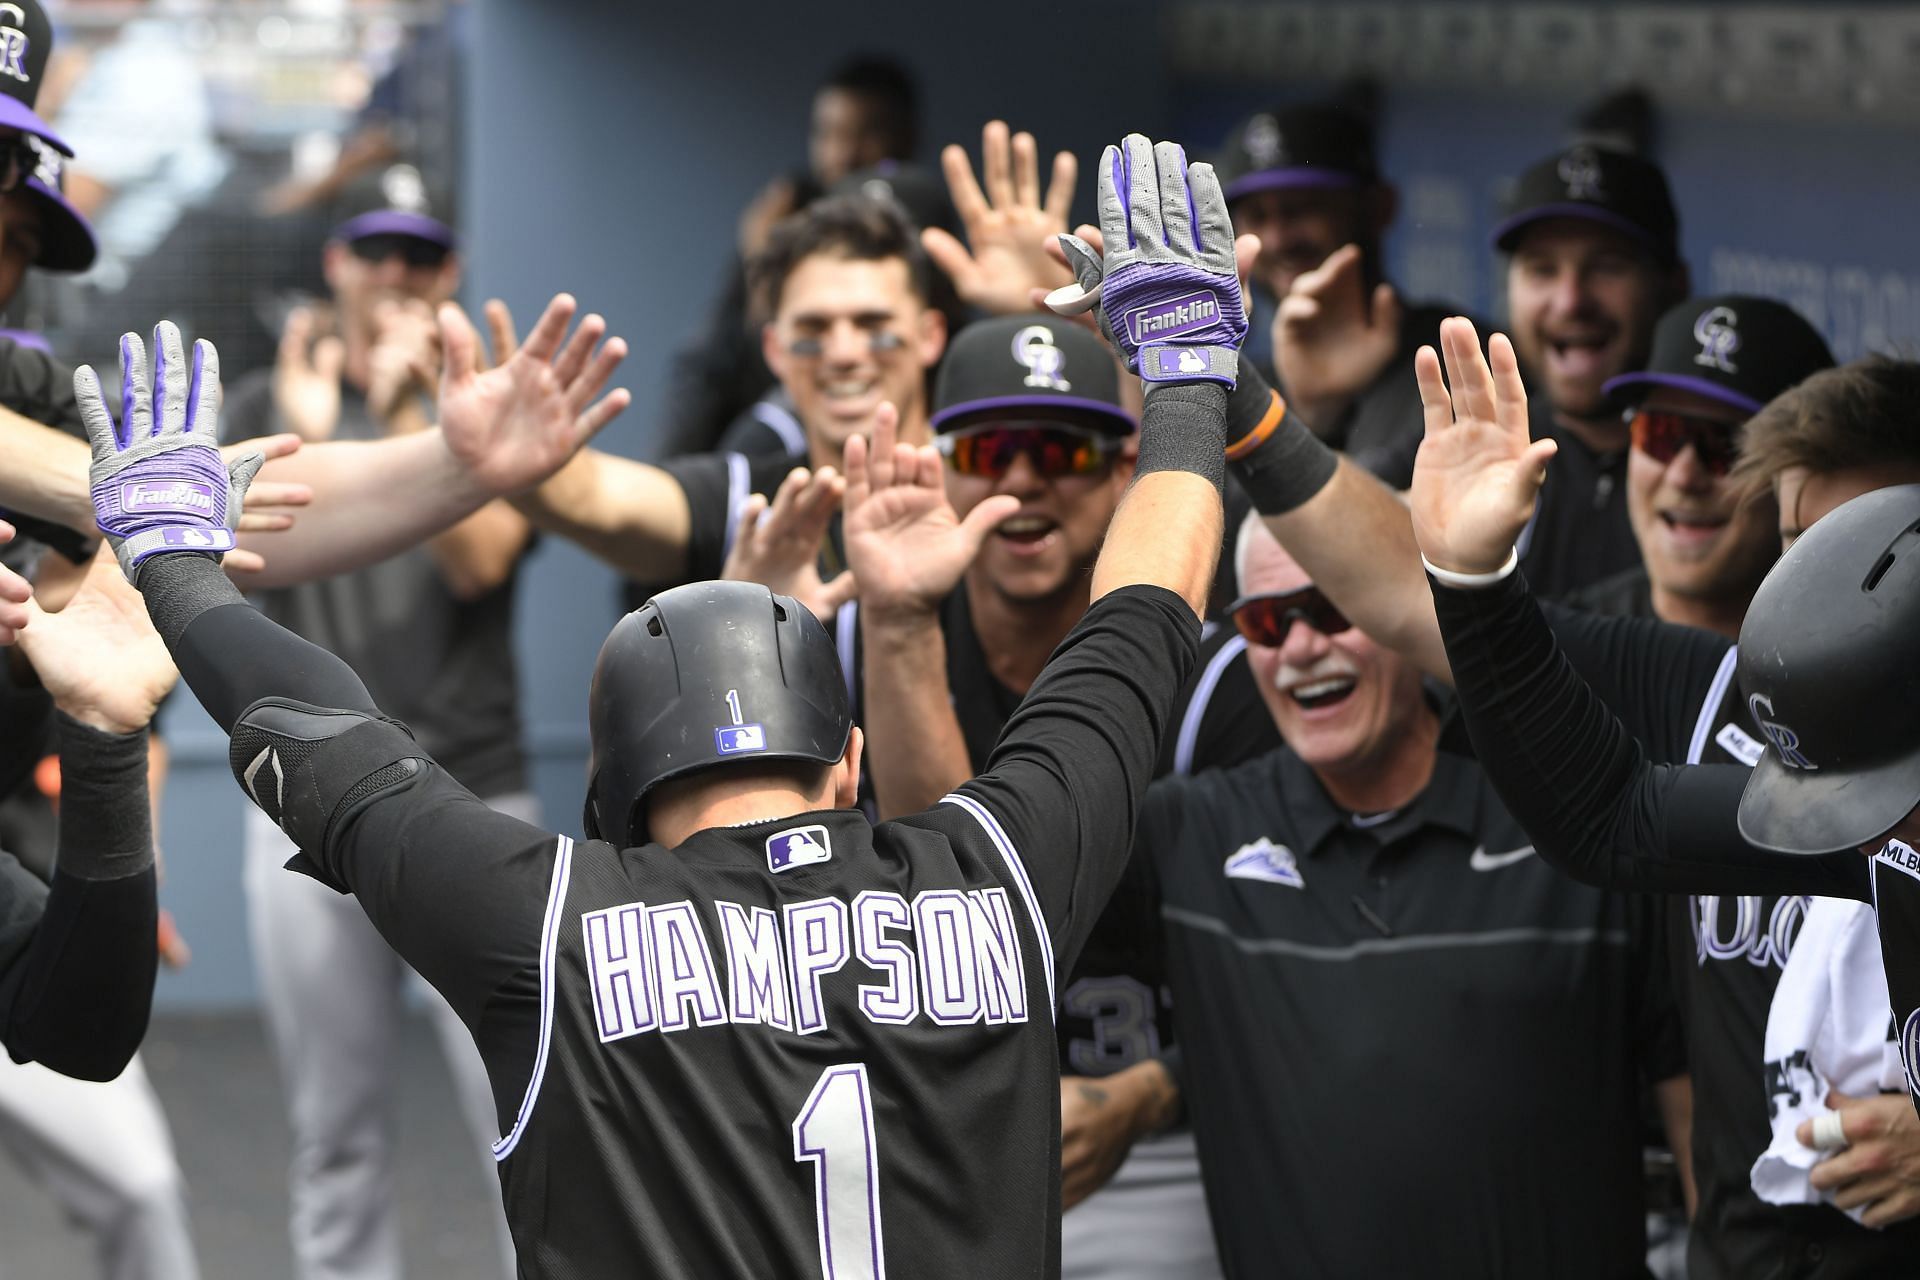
1580 785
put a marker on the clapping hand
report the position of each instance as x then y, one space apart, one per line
1479 469
778 544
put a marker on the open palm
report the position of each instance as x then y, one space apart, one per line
906 545
1478 470
1009 225
100 657
517 423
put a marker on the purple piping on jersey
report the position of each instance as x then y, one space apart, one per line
846 626
1189 738
1291 179
1715 692
1576 209
549 944
739 489
782 424
997 834
1681 382
967 408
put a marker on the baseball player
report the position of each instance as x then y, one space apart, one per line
1824 660
714 1053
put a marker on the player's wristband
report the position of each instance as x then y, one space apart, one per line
1184 428
1240 446
1473 581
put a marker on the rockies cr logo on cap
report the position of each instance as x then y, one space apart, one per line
13 43
1714 331
1784 740
1046 363
1580 170
1263 141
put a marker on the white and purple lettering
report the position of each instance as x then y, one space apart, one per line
756 965
167 495
1168 319
684 967
13 44
874 913
996 949
817 945
949 976
617 963
1760 943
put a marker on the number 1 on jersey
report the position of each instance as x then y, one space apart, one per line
834 1130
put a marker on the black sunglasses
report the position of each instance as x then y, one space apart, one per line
412 250
1266 618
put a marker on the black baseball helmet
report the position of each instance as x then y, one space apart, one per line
1828 664
705 675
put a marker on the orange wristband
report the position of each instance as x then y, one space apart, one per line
1276 413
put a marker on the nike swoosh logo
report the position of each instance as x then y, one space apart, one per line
1484 861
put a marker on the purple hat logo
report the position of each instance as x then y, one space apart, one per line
1580 170
14 44
1715 333
1263 141
1046 363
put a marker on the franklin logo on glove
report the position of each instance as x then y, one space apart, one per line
180 496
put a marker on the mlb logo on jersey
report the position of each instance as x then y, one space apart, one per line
1901 858
732 739
796 847
1265 860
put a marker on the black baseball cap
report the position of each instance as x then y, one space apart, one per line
1600 184
66 237
397 203
26 38
1737 349
1310 145
920 193
1032 366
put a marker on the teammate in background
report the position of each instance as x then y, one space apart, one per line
853 331
1325 327
430 631
864 114
1823 636
597 966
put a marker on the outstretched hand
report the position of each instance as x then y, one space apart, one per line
99 656
1009 225
906 545
517 423
1331 340
1479 469
778 544
16 593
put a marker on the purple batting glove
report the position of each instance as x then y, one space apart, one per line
159 483
1167 287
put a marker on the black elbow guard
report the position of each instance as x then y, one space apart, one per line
312 768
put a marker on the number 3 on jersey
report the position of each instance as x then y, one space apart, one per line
834 1131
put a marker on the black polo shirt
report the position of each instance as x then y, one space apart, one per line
1579 534
1412 1048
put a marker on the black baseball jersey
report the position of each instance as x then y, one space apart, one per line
717 485
1412 1047
1579 534
1674 690
808 1047
1594 803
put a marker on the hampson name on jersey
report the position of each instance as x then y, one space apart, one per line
952 956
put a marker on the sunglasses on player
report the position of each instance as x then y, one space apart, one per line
1266 619
1052 449
411 250
1661 435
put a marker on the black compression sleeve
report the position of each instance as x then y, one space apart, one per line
1580 784
1184 428
77 1001
230 654
106 825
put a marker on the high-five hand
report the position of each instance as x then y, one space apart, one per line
778 544
160 485
15 592
906 546
1009 225
517 423
99 656
1331 340
1479 469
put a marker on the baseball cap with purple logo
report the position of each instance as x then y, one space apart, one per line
26 39
399 203
1303 146
1600 184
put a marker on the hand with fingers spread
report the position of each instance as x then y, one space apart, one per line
517 423
16 593
1331 341
1166 283
99 656
406 347
1880 1165
306 378
906 546
778 544
1479 469
159 483
1009 226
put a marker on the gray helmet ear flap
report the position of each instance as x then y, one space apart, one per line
1830 670
704 676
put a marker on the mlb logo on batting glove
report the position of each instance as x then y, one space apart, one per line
159 484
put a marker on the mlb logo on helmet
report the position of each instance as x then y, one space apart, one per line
797 847
1718 340
1046 364
732 739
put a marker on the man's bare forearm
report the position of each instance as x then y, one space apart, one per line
915 750
45 473
1355 540
629 514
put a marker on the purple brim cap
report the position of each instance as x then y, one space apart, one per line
1633 387
1503 235
66 238
1295 178
394 222
27 338
15 114
1111 416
